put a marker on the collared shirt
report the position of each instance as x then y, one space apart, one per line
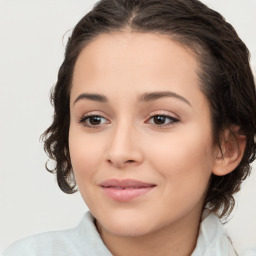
84 240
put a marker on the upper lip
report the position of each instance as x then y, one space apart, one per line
125 183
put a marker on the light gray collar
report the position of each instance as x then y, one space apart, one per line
213 239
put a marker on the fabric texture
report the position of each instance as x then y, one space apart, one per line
84 240
213 239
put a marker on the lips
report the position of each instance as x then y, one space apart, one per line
125 190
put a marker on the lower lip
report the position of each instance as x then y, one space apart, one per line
125 195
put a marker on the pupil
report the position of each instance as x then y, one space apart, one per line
159 119
95 120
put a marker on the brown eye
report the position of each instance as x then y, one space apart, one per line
161 120
93 120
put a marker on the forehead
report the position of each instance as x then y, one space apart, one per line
155 49
125 62
137 55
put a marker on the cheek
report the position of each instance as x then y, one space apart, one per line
86 156
184 160
85 153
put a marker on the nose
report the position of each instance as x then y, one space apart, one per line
124 147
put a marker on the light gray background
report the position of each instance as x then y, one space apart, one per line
32 39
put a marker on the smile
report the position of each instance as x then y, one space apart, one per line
125 190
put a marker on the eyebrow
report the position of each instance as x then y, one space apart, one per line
145 97
91 96
149 96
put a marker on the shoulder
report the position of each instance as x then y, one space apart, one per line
249 252
42 244
213 239
77 241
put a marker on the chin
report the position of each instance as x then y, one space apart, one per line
128 229
125 224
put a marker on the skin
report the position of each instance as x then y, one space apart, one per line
178 157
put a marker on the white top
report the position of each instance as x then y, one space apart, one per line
85 240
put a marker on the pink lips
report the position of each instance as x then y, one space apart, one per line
125 190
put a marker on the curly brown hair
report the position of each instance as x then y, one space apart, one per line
226 79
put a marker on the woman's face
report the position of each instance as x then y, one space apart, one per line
140 133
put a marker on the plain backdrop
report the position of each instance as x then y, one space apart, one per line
33 34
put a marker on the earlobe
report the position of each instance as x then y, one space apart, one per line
232 149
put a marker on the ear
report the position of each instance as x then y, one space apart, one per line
232 149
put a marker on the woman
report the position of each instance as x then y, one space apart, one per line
155 122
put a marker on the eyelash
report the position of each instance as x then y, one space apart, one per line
83 120
172 121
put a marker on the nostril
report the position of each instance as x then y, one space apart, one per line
120 164
130 161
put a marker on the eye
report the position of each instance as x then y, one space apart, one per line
93 121
162 120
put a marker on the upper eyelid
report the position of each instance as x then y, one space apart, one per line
166 116
95 113
164 113
173 119
153 113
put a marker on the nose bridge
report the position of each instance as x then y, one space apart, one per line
124 147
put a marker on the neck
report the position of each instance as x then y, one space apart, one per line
172 240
